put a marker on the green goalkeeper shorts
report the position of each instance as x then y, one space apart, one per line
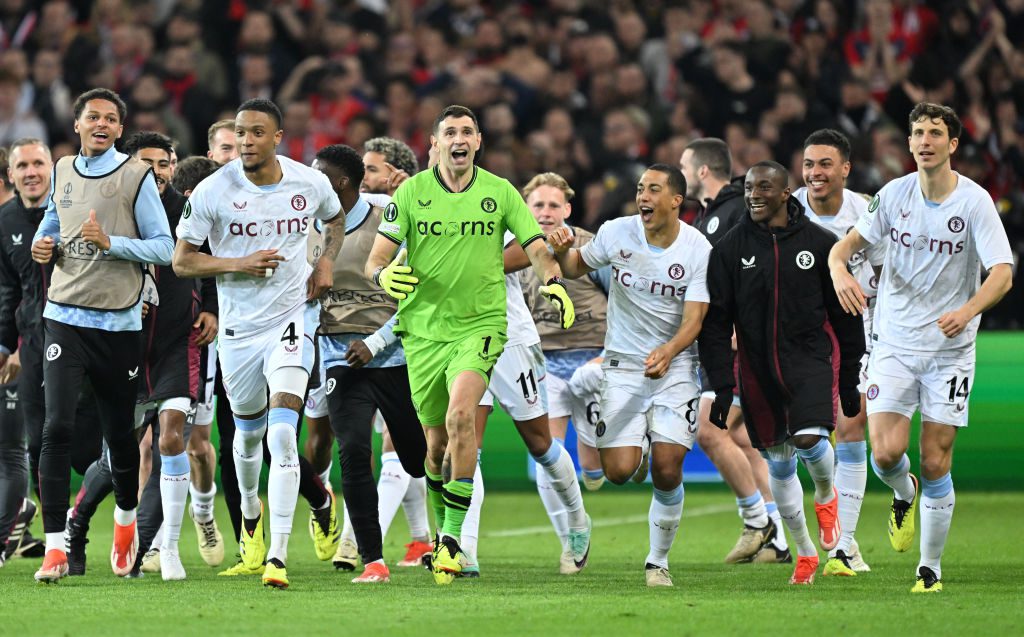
434 365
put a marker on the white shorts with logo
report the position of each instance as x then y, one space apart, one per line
633 406
904 382
585 393
247 361
518 382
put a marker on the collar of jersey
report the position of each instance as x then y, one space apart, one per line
437 176
251 187
355 217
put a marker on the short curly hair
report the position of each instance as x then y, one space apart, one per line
396 152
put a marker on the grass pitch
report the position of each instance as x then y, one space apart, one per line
521 593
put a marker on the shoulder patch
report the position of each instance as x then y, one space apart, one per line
390 212
873 206
186 212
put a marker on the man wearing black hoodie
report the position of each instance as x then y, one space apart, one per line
769 281
707 165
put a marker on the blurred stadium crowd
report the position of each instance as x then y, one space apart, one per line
593 90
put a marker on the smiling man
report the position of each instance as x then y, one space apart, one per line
103 223
940 229
768 282
451 304
826 165
656 306
257 213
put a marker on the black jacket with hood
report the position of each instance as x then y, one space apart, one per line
794 340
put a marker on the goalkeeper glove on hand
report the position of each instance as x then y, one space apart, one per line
720 408
395 278
555 292
849 399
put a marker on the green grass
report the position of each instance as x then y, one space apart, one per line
521 593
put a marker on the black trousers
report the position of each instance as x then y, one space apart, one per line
87 441
111 361
13 460
353 395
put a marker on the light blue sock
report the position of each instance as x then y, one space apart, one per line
177 465
549 457
594 474
815 453
283 415
668 498
897 477
782 469
939 488
852 452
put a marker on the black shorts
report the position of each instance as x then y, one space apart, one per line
171 369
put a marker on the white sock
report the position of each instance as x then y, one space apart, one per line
752 510
780 531
471 525
247 449
391 488
415 506
347 532
122 517
325 477
821 464
851 480
283 483
789 497
174 481
561 480
937 502
897 477
553 504
663 520
56 541
202 503
158 539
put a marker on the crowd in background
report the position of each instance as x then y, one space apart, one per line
592 90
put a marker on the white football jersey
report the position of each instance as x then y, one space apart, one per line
648 287
932 262
239 218
521 328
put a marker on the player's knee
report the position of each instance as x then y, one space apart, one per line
804 441
710 438
617 476
461 419
934 465
886 457
666 478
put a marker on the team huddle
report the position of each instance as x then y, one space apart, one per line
363 293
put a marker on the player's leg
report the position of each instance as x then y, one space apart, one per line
732 464
150 514
32 401
467 388
241 361
393 396
777 549
851 481
470 537
815 451
175 476
203 488
352 406
938 499
13 470
113 366
945 389
666 508
789 496
581 391
393 483
202 460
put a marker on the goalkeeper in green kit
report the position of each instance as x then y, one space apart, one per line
451 304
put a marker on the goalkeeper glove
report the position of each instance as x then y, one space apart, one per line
555 292
395 278
720 408
849 399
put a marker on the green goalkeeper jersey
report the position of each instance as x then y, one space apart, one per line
455 243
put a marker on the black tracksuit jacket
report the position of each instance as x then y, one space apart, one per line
774 286
23 282
727 207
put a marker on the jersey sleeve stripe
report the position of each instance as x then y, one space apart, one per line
387 236
532 239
